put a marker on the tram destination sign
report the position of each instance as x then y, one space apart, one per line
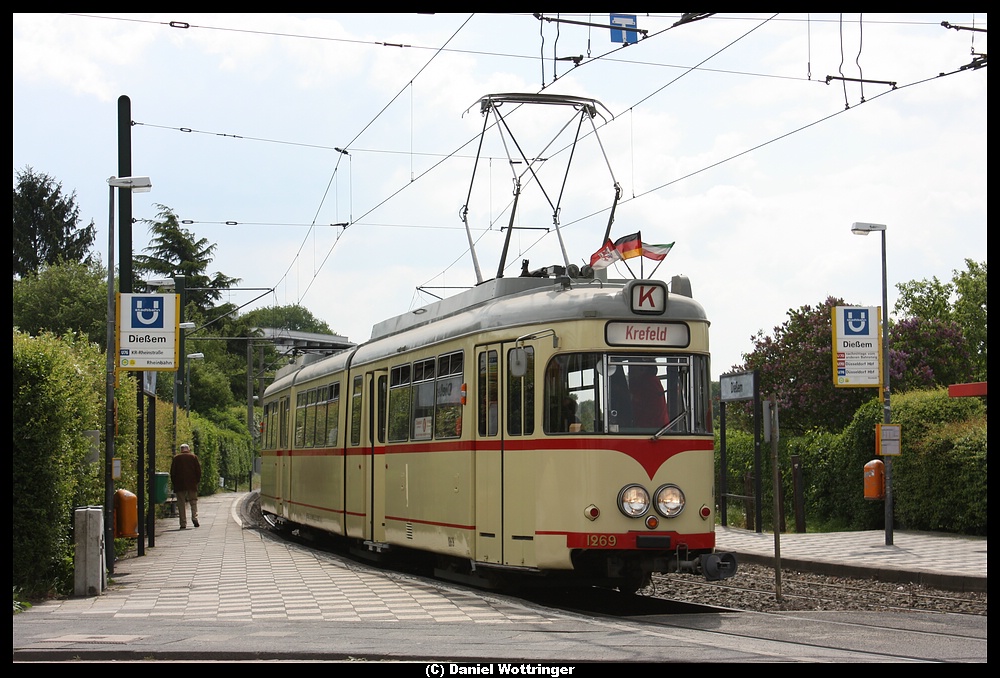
148 326
857 347
637 333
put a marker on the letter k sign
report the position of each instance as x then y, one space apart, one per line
648 298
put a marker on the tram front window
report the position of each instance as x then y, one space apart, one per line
627 394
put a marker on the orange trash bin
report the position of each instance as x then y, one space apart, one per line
126 514
875 479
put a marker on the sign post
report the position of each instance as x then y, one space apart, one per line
857 349
735 387
148 327
860 359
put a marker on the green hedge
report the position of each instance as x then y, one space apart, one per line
223 452
54 403
939 479
942 485
58 395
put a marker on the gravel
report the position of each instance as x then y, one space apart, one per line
753 588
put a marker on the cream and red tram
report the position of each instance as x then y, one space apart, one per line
553 426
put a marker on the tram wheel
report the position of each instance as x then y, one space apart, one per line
630 585
275 523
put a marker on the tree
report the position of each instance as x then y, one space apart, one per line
796 365
927 354
46 224
64 297
211 395
174 250
969 312
962 301
291 317
222 336
925 351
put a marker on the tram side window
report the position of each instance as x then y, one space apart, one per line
702 395
573 393
322 398
266 427
321 404
399 403
487 393
273 426
356 391
310 432
301 400
422 423
283 414
448 396
331 426
383 396
521 398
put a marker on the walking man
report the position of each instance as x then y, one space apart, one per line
185 474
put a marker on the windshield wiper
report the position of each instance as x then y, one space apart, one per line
656 436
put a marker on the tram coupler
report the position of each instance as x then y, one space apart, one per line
712 566
716 566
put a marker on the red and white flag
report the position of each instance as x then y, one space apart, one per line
605 256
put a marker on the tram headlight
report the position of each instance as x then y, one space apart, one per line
669 501
633 500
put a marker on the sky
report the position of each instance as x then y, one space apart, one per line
330 157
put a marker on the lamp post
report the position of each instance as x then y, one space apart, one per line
864 228
141 185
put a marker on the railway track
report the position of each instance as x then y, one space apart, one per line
753 588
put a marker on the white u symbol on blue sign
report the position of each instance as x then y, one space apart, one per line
150 317
856 321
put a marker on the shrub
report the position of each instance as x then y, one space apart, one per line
54 382
939 480
941 484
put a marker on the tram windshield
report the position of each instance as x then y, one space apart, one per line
631 393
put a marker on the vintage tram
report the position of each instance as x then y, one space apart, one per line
554 426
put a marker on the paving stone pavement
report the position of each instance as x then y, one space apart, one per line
225 571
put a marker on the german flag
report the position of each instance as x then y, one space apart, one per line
629 246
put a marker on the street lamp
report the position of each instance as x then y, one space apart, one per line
140 185
864 228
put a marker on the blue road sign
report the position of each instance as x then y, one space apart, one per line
625 21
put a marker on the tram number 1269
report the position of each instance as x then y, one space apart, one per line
601 541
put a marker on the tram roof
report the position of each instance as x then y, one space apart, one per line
501 303
517 302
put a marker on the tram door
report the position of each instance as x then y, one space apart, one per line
377 386
505 504
488 451
357 464
275 470
285 463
